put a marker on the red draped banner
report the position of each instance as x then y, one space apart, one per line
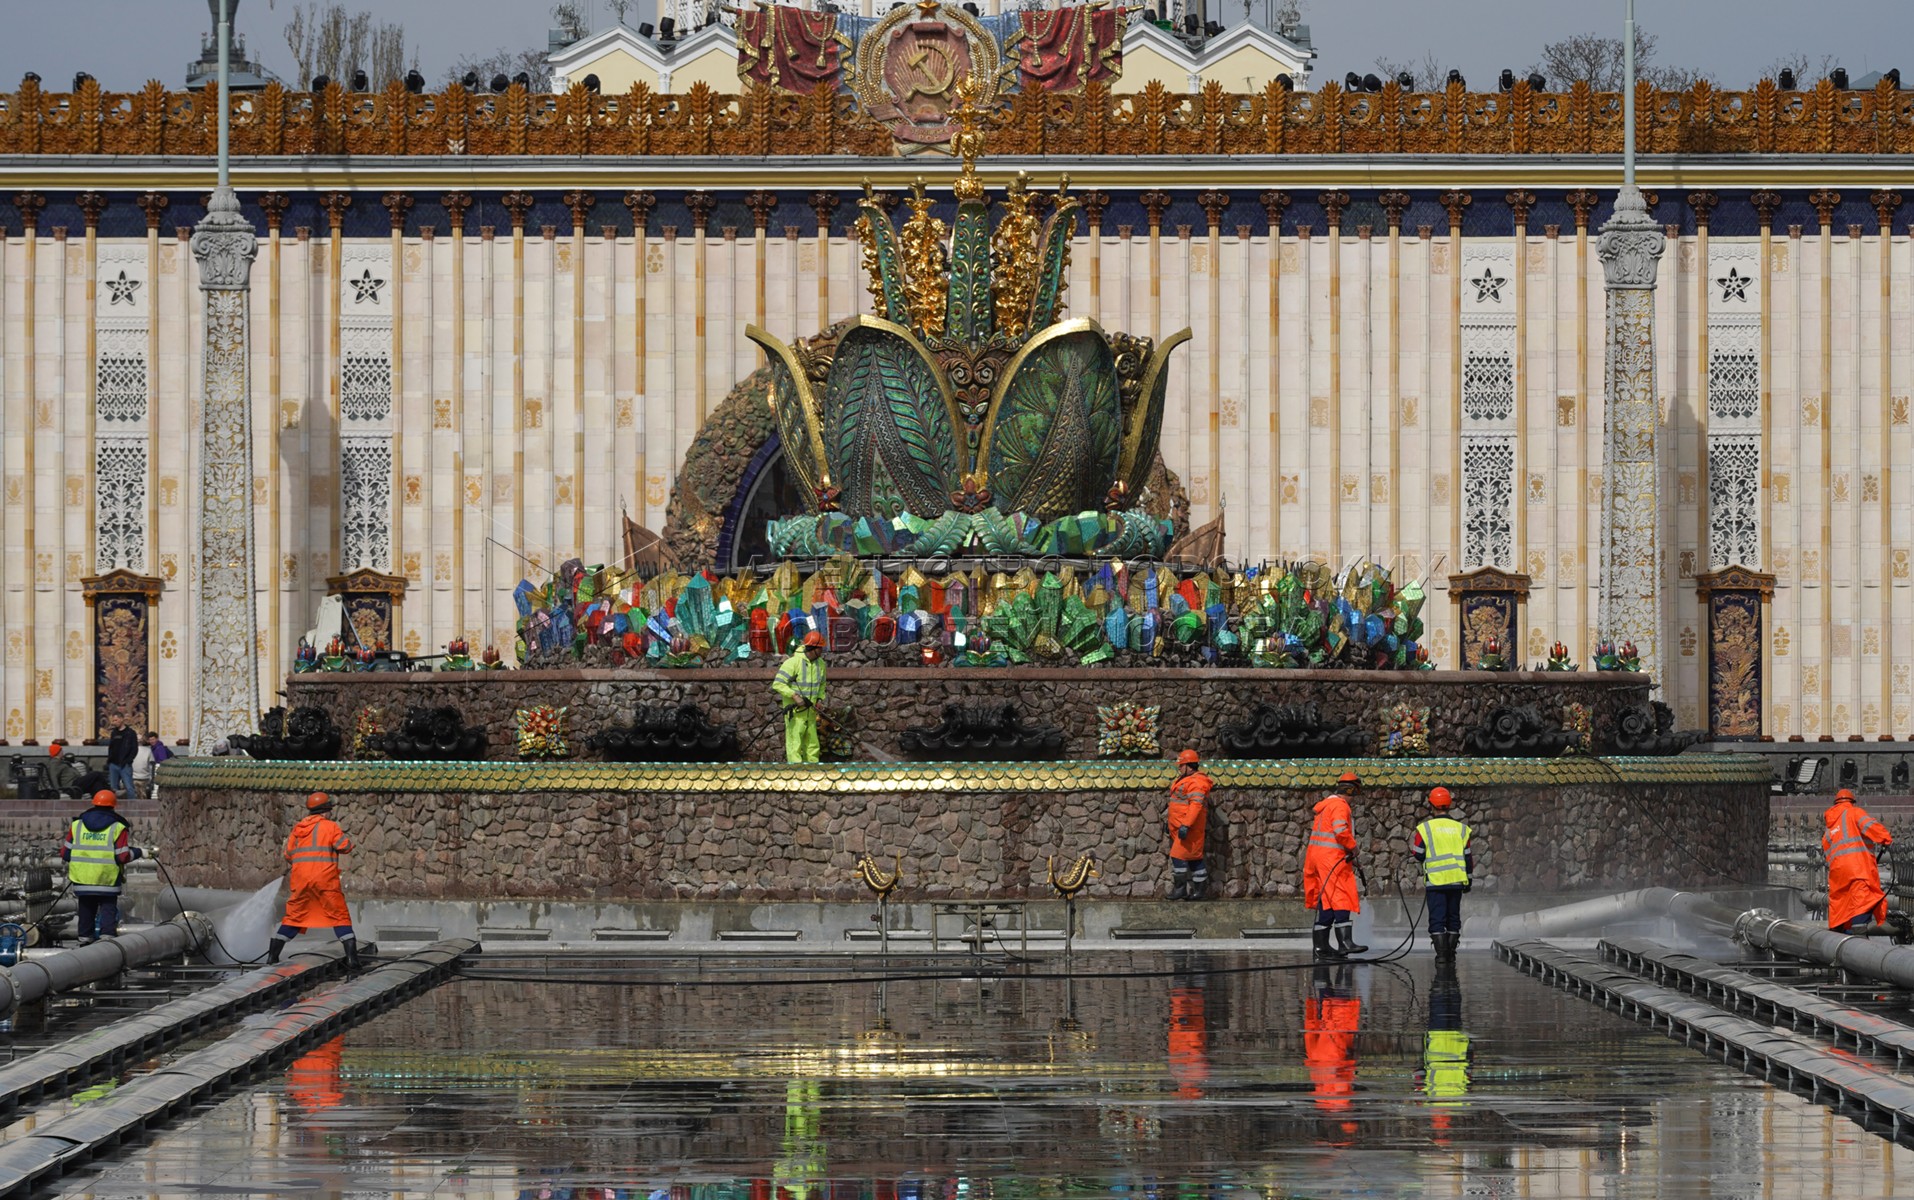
1064 48
788 49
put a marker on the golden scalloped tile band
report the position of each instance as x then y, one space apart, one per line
410 777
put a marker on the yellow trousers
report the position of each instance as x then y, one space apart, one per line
800 735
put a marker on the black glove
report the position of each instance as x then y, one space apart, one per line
1468 887
1182 831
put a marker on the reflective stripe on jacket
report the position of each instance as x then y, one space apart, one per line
92 858
1445 848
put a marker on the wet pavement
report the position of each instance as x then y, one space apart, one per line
1150 1076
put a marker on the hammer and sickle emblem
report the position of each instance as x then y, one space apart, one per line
925 81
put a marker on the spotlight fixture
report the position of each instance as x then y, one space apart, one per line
646 29
1192 24
30 77
1537 81
1284 82
1506 80
79 79
591 84
360 83
1352 82
1213 29
667 29
500 83
1893 76
1406 81
523 80
414 82
471 81
1455 76
1839 78
1786 80
321 82
1370 83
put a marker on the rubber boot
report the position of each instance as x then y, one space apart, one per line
1346 942
273 949
1196 888
1319 941
1179 884
1450 942
352 953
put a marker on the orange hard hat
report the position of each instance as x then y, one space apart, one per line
104 798
1844 794
317 801
1348 777
1188 758
1440 797
814 638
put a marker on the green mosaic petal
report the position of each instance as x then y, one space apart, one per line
1053 438
890 433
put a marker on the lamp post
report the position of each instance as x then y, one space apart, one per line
1630 246
226 699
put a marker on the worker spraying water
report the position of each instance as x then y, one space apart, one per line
316 898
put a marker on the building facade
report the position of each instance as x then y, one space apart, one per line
485 327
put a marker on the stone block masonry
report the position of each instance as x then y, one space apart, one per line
613 832
886 701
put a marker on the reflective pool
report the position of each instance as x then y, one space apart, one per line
1149 1076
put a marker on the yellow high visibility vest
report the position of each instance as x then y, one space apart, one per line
799 678
92 861
1445 842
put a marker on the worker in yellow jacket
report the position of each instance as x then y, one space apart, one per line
799 687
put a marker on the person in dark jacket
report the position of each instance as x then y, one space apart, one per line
121 749
96 848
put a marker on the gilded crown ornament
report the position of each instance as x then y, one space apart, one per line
968 395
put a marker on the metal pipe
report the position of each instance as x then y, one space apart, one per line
1627 98
226 102
36 978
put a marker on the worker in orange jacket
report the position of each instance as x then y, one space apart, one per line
1189 825
1331 871
314 898
1854 877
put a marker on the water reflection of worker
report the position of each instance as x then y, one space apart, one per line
312 1082
1446 1050
801 1167
1189 1036
1332 1014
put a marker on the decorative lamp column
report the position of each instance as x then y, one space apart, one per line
122 639
1736 600
1490 607
226 694
371 601
1630 246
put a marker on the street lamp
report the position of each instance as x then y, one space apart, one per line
226 700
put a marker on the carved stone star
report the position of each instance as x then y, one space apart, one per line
366 288
1489 287
122 290
1734 285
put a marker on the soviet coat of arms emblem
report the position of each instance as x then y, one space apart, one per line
909 64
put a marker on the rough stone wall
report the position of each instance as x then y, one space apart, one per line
1195 702
759 845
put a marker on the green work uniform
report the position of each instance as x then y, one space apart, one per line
800 679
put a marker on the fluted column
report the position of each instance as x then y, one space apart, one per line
1630 606
226 697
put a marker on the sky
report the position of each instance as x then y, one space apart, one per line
126 42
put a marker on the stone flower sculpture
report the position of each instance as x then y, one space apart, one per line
967 396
